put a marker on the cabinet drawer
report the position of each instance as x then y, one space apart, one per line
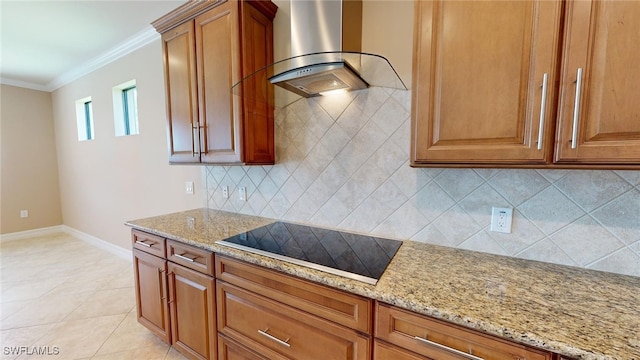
345 309
190 256
409 330
148 243
384 351
231 350
275 330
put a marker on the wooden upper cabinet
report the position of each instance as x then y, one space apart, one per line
479 81
601 41
208 48
480 97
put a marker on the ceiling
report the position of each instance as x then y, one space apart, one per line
46 44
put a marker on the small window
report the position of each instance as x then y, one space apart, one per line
84 118
125 108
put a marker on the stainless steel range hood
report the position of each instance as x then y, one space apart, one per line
320 79
326 38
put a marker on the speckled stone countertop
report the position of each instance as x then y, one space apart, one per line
575 312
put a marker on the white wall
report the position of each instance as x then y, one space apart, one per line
29 165
109 180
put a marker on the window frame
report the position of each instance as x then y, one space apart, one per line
84 119
125 116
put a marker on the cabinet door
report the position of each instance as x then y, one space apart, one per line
151 293
192 306
218 54
479 93
180 82
599 115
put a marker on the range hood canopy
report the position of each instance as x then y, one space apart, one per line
326 41
317 74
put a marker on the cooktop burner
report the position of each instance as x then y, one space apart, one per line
358 257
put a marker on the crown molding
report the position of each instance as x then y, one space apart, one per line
130 45
23 84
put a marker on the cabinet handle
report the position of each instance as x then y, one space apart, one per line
202 129
446 348
543 105
161 297
143 243
184 257
171 281
193 141
576 109
269 336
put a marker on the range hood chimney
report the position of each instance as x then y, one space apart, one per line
326 42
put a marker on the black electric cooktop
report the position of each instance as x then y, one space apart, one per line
358 257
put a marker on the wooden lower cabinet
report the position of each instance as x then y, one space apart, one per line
435 339
151 293
247 312
192 308
175 294
278 331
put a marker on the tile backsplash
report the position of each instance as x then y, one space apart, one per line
343 163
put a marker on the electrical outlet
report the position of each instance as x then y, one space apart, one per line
24 213
242 190
501 219
225 192
188 187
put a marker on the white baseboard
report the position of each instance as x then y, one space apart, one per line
31 233
97 242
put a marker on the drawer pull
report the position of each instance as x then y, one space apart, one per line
184 257
143 243
283 343
446 348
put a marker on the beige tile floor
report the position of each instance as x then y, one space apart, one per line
72 299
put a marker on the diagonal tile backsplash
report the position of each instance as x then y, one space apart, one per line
343 163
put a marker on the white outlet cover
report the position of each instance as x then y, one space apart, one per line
188 187
242 190
501 219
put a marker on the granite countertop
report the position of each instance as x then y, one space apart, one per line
575 312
